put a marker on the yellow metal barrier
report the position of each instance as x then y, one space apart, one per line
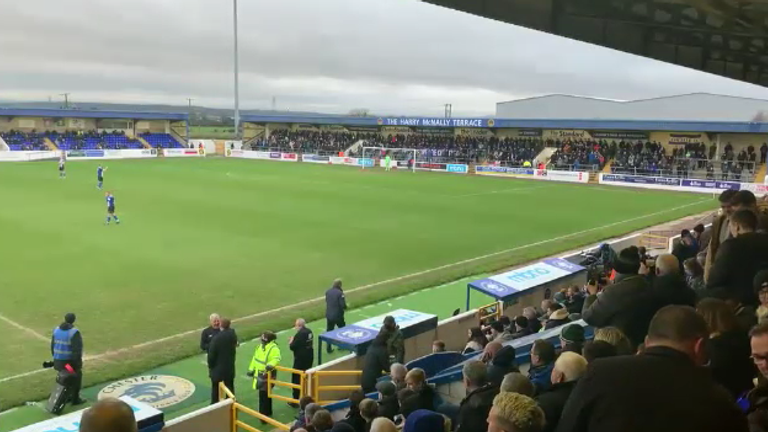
493 310
238 408
302 386
654 241
316 387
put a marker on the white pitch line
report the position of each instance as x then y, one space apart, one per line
375 284
24 329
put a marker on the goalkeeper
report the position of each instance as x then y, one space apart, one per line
387 162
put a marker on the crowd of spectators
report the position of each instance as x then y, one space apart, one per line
579 154
308 141
84 140
26 141
447 148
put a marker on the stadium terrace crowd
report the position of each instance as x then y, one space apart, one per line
308 141
579 154
437 148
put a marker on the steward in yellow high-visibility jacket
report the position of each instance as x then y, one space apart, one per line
265 358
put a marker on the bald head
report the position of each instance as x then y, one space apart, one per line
569 367
667 264
108 415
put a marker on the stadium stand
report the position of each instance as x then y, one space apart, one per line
161 140
308 141
20 141
580 154
91 140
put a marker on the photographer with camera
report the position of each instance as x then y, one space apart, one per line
67 349
265 358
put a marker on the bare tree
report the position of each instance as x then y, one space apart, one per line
360 112
760 117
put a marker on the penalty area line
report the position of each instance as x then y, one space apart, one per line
375 284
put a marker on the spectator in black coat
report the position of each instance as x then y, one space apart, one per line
474 408
221 359
757 412
594 350
575 300
534 324
375 364
686 248
558 317
572 338
503 362
668 283
303 351
353 417
416 380
727 348
388 404
746 200
369 409
522 327
569 367
628 304
740 258
662 389
335 305
209 332
542 362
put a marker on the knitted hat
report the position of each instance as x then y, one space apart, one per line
573 333
628 261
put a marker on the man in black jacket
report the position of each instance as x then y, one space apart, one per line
663 389
569 367
303 352
740 258
335 305
209 332
746 200
389 407
375 363
628 304
474 408
668 285
221 359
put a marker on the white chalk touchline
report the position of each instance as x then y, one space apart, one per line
492 192
375 284
24 329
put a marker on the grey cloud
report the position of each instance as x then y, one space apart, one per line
394 56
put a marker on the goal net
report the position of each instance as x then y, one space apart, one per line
401 158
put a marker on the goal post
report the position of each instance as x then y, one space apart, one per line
375 152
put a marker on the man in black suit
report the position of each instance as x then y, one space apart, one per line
663 389
221 359
303 353
209 332
740 258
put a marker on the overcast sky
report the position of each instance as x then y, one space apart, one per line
390 56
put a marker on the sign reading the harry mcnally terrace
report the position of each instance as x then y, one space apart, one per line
435 122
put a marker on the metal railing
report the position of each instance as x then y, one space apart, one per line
302 386
238 408
317 387
492 310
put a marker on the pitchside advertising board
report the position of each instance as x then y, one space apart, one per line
358 335
530 173
683 185
508 285
276 156
148 419
184 152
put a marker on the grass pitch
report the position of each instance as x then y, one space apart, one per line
242 237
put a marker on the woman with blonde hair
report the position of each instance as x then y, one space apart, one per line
615 337
728 347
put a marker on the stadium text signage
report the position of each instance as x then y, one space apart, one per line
512 282
436 122
145 415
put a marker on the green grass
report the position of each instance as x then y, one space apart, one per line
212 132
241 237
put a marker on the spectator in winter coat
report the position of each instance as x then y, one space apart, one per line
569 367
353 417
662 389
727 348
416 380
668 284
501 364
740 258
720 229
522 327
395 340
628 304
572 338
474 408
594 350
517 383
388 405
686 248
617 338
575 300
761 288
542 363
757 412
533 319
375 364
558 317
476 340
694 275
